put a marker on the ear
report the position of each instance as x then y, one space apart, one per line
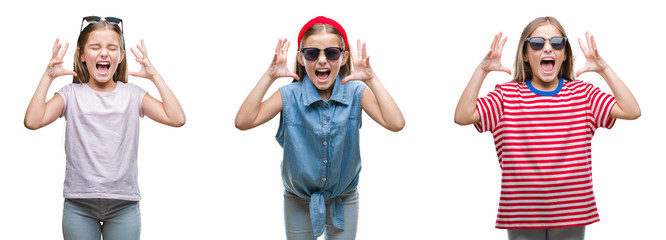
525 59
345 57
122 56
299 58
78 52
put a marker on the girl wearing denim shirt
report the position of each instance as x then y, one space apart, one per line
320 117
102 129
543 123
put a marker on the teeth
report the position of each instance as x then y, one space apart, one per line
104 63
549 59
322 70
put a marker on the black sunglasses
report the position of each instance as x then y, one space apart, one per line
94 19
537 43
331 53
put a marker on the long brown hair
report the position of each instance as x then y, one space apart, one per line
522 69
82 74
345 69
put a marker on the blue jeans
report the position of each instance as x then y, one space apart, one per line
91 218
567 233
297 218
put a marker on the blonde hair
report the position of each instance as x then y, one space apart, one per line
299 69
82 74
522 69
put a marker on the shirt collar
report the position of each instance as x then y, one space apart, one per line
311 94
545 93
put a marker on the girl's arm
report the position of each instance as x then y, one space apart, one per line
254 112
168 111
466 112
39 113
380 106
626 106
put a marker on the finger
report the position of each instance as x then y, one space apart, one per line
69 72
364 51
506 70
136 53
582 46
594 42
275 57
285 49
492 45
135 74
294 76
596 54
587 38
55 48
144 49
581 71
501 47
346 79
64 50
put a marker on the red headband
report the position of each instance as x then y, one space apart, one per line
322 19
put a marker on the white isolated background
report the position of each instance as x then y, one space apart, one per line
434 179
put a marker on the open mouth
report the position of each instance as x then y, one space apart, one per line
548 64
322 74
103 67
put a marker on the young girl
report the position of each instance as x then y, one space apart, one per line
543 122
102 129
320 117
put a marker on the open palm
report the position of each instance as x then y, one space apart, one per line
593 62
55 68
361 70
493 60
147 70
278 67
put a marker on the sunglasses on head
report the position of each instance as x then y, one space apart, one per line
537 43
331 53
94 19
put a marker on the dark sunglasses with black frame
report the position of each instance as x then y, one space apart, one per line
94 19
331 53
537 43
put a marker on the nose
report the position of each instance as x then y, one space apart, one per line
547 47
322 57
104 53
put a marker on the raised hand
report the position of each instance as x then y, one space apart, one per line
278 67
593 62
492 61
361 69
147 70
55 68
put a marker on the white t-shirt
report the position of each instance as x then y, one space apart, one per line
101 141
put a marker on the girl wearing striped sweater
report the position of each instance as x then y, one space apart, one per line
542 124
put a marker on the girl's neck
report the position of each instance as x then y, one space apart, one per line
545 86
102 87
326 94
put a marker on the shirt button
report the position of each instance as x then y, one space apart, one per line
325 161
325 143
325 122
324 179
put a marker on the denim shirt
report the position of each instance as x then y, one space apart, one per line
320 139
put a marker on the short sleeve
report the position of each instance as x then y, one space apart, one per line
139 94
490 110
600 105
65 92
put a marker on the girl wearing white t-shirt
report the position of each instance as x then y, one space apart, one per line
102 114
